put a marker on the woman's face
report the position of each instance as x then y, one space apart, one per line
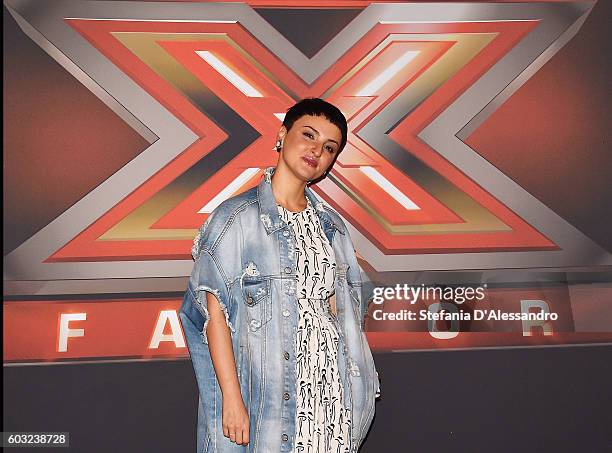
310 146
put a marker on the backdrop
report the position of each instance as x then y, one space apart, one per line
475 182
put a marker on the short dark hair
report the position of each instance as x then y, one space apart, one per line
317 107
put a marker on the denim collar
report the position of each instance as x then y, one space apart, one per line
268 211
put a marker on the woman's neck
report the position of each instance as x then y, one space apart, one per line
288 190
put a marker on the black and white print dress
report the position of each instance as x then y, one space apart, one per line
322 422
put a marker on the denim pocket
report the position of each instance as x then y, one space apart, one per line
255 289
257 297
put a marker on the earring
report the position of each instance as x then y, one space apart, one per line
278 146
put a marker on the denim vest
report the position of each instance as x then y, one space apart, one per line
244 255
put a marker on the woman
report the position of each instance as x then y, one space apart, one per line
273 314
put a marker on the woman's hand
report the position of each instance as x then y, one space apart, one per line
235 420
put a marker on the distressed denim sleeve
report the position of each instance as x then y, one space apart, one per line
367 291
367 294
199 353
208 277
208 274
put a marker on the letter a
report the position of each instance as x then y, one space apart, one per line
175 336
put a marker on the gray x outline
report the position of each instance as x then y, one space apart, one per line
25 273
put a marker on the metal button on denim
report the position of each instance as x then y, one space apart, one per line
285 396
286 355
285 437
249 300
285 233
286 312
287 270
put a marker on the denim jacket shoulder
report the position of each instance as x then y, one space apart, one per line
221 220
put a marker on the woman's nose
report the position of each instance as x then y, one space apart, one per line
317 150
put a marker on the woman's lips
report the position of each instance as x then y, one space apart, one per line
311 162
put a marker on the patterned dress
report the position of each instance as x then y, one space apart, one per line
322 422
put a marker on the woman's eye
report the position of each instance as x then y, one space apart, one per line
308 134
330 149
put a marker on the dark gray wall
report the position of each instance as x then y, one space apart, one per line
512 400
